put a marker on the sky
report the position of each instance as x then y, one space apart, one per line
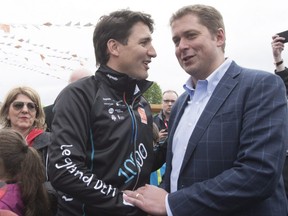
50 38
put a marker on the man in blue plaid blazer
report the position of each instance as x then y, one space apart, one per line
227 131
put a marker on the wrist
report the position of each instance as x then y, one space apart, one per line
279 66
278 63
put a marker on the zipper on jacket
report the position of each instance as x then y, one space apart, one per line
134 135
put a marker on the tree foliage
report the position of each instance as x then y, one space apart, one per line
154 94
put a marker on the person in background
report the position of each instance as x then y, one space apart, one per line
155 135
227 131
79 73
282 71
22 175
102 127
156 176
74 76
22 111
161 120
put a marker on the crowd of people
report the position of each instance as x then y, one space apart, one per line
218 149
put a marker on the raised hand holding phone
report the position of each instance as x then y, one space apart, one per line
285 35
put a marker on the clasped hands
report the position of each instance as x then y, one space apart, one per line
149 198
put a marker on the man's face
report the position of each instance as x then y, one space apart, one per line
135 56
168 100
197 50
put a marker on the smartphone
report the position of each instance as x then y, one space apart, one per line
285 35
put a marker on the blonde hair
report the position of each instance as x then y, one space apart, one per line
12 95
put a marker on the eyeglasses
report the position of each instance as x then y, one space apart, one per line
18 105
169 101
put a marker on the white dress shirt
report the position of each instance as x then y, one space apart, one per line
199 97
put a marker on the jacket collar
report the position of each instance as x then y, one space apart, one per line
121 82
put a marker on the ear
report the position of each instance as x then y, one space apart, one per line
113 47
220 37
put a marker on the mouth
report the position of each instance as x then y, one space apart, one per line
146 64
185 59
24 117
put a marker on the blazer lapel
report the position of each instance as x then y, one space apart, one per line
220 94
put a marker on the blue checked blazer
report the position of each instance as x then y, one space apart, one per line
234 159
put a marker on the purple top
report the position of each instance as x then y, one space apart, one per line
10 198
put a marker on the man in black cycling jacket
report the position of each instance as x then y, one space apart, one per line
102 126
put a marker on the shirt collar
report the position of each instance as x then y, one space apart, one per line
212 80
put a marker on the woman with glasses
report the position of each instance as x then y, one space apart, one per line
22 111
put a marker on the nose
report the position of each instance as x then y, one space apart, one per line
182 44
25 108
152 51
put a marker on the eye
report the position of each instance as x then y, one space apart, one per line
176 41
144 43
31 106
18 105
190 35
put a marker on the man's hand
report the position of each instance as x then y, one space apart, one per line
163 134
277 47
149 198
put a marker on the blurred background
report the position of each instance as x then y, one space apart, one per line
42 41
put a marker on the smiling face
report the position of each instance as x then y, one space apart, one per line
22 119
198 52
133 58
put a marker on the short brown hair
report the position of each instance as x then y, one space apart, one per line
117 25
208 17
